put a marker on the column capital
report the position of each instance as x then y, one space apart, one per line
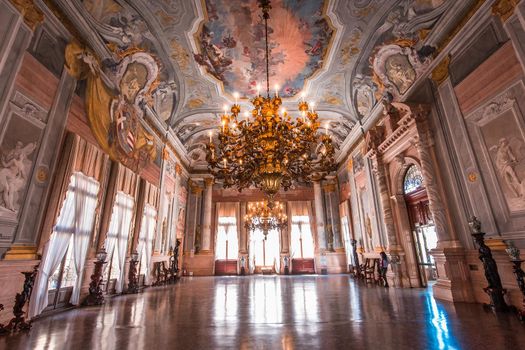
209 181
194 187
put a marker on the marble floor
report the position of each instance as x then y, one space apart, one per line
270 312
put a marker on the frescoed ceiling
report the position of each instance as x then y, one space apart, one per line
208 49
231 45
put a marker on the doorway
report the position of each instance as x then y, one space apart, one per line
424 237
265 252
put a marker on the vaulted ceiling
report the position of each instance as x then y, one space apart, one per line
209 49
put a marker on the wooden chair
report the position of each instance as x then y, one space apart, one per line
370 269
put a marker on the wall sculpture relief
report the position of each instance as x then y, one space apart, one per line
115 103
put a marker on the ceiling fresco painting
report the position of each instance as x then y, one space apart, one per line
231 44
345 55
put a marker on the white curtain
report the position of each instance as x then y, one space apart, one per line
147 233
68 223
301 235
118 234
86 191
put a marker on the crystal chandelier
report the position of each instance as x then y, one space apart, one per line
265 218
270 149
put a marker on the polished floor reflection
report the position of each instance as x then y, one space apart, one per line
267 312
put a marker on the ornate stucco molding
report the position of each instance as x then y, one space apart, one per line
504 8
30 12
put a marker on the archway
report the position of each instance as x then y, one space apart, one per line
424 235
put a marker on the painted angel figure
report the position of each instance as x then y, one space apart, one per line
509 154
14 171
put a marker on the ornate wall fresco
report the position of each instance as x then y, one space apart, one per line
231 43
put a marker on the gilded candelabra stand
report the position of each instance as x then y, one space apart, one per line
18 322
357 269
514 254
495 289
95 296
133 281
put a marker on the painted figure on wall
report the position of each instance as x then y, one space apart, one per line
506 162
14 173
504 143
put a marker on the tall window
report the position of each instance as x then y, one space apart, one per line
117 239
302 243
227 246
65 253
347 237
147 234
265 252
413 179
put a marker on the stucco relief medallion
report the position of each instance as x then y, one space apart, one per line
42 174
397 67
472 176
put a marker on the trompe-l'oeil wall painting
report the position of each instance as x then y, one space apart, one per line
20 138
506 145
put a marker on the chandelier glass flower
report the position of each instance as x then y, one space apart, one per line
262 217
268 148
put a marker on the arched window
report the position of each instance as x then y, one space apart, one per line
413 179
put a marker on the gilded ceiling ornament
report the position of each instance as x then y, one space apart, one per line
504 8
32 15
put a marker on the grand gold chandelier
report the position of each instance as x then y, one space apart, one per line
265 218
270 150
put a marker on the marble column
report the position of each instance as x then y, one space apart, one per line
175 206
423 146
192 215
394 249
333 220
243 237
207 215
285 233
319 217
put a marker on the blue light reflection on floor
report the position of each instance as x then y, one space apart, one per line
437 325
